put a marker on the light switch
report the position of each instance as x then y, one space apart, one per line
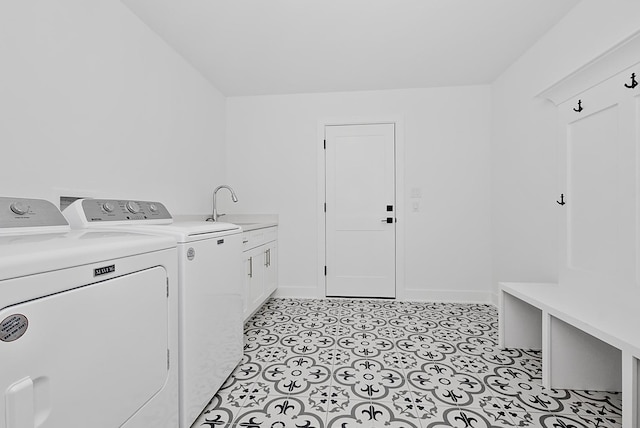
416 206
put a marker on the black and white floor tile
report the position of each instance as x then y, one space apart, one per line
344 363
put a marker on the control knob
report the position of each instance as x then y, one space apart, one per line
153 208
19 208
108 207
133 207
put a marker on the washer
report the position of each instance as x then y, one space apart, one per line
210 290
88 323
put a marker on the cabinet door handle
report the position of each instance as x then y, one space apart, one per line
269 257
266 258
250 267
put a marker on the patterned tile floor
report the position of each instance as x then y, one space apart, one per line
378 363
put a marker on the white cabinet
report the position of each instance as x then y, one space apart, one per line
260 258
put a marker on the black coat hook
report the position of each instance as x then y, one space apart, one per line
579 109
634 83
561 202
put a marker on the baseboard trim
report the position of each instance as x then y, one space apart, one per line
458 296
297 292
494 299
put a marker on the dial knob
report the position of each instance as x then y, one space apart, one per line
133 207
108 207
153 208
19 208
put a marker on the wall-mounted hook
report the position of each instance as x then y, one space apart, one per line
634 83
561 201
579 109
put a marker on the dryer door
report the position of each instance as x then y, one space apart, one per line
90 356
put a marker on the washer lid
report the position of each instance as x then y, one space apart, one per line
202 227
186 231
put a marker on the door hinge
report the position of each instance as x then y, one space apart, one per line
325 207
167 287
325 144
168 359
325 271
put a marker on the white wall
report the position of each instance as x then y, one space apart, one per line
92 100
272 147
524 138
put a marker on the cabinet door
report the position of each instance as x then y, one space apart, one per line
254 279
271 268
598 161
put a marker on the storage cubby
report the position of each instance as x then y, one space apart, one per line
578 360
520 323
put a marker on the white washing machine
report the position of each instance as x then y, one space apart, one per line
88 324
210 290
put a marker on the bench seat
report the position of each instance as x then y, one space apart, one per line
589 340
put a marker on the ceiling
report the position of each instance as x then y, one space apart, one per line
256 47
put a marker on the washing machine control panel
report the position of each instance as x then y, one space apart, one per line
135 212
29 213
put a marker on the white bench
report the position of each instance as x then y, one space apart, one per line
589 340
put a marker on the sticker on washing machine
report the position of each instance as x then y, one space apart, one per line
13 327
191 253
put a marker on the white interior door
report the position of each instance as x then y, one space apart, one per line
599 180
360 210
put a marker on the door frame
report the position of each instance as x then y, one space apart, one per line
399 190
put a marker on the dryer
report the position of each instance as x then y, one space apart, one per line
88 323
210 290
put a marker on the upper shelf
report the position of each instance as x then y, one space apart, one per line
621 56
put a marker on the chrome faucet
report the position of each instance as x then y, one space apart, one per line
214 215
